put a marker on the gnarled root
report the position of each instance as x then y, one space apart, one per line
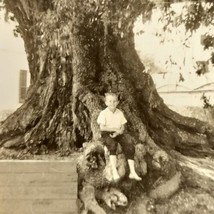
140 162
87 196
143 204
167 188
112 197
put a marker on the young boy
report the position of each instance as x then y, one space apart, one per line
112 121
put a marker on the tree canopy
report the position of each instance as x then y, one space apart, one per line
121 14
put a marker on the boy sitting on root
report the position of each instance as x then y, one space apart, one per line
111 121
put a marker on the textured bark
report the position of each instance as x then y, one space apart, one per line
45 119
64 101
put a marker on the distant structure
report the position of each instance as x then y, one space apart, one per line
22 85
177 95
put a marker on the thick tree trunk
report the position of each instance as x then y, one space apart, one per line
45 119
69 79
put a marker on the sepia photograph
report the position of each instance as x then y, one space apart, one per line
106 107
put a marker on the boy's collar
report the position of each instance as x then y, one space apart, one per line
110 110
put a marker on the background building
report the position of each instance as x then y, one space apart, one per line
12 60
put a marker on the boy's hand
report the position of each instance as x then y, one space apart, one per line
114 134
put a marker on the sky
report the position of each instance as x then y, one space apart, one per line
12 59
149 47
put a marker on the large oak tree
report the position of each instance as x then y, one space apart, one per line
79 49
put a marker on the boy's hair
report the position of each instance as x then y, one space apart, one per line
111 94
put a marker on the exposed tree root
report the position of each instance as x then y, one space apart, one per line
167 189
95 170
198 172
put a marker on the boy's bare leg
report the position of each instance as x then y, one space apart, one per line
113 161
133 174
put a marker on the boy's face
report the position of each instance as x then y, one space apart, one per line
111 102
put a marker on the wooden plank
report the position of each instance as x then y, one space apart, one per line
38 166
39 192
44 206
38 187
37 179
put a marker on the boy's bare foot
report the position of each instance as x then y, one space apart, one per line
135 176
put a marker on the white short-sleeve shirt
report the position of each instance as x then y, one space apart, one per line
111 119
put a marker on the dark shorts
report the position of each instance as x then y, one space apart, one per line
123 139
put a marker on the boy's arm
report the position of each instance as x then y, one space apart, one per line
122 128
105 128
118 132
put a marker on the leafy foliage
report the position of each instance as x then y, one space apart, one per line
53 22
206 101
54 28
207 41
194 14
184 20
